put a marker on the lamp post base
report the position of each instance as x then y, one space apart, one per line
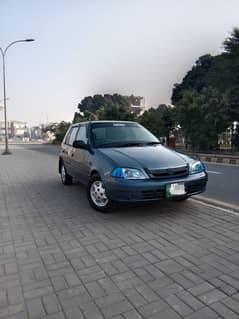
6 153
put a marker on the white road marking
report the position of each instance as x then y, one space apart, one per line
214 172
225 210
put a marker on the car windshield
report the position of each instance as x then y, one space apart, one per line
121 135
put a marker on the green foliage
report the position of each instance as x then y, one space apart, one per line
233 101
206 102
91 104
160 121
202 117
115 112
215 78
195 79
59 130
220 72
231 44
104 107
87 116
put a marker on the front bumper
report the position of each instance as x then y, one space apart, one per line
122 190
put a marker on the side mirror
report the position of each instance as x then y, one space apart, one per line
80 144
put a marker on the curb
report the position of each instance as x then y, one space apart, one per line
216 202
228 159
219 159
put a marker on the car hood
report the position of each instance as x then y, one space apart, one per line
151 157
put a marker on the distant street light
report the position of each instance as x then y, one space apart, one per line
3 52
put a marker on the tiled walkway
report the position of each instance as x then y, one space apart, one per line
61 259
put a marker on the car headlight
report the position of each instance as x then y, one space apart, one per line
196 167
128 173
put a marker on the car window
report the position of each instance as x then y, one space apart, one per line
107 133
68 136
72 135
81 134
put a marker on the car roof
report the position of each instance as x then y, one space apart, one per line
101 121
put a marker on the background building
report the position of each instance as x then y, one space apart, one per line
16 130
19 130
137 104
2 130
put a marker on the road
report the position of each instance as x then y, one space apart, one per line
223 184
60 259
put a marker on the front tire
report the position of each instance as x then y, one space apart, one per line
65 177
97 196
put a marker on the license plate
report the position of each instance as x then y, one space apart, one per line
175 189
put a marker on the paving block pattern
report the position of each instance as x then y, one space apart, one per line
60 259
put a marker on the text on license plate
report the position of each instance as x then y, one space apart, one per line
175 189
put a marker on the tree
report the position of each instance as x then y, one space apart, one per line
104 107
168 119
231 44
195 79
116 107
160 121
86 116
58 129
220 71
91 104
203 116
233 101
216 77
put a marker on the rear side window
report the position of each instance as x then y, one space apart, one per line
68 136
71 136
81 135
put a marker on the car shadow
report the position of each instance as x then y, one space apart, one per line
57 201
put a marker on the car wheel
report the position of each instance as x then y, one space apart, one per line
97 196
65 177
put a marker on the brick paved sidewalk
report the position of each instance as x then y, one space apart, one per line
60 259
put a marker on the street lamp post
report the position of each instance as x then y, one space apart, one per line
3 52
1 106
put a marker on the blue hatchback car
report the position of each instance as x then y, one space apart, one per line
121 161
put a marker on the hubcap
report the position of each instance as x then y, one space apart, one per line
63 173
97 194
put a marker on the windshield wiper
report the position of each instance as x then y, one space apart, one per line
128 144
120 144
152 143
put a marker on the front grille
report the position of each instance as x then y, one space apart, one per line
153 194
167 173
194 187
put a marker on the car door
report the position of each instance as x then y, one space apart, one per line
81 157
67 150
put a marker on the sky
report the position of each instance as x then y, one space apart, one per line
87 47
